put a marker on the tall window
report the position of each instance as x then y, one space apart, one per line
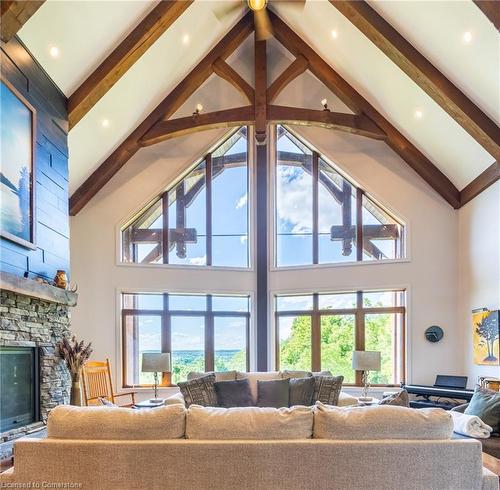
203 219
202 333
321 217
320 331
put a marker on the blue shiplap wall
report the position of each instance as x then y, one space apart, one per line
51 168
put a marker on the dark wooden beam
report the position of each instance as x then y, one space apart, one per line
423 73
14 14
164 110
223 70
351 123
164 130
334 82
260 91
480 183
290 73
490 8
123 57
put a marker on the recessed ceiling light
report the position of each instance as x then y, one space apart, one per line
54 52
105 123
467 37
185 39
335 34
419 114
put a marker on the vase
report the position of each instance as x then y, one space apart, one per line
75 397
61 279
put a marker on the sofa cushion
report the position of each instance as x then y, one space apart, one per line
295 374
301 391
255 376
219 375
114 423
233 393
249 423
485 404
381 422
199 391
327 389
399 399
273 393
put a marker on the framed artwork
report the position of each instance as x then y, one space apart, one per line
17 162
485 332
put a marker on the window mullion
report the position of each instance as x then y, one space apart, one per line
209 336
208 186
165 227
316 335
359 224
166 338
359 334
315 210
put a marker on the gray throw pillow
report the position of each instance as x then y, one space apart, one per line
273 393
327 389
233 393
199 391
399 399
485 404
301 391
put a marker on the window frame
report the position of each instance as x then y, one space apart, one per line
360 192
166 315
359 312
162 197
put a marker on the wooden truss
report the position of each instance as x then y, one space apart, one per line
366 120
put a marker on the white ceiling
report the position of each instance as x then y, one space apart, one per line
86 31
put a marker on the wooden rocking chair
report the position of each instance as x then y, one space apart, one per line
97 384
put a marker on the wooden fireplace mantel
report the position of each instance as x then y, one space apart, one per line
35 289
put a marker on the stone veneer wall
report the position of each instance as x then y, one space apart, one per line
32 322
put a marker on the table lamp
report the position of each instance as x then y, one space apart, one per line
155 362
365 361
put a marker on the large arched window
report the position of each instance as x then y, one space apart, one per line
202 220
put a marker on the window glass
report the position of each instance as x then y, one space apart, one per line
188 346
294 334
337 345
230 337
337 301
149 335
294 303
187 302
375 299
230 303
143 301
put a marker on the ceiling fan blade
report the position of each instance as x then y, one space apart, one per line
297 4
263 26
224 10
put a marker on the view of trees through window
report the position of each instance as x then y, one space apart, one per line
202 333
320 332
203 219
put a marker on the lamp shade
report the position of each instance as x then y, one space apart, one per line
365 360
155 362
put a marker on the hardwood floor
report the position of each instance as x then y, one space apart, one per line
492 463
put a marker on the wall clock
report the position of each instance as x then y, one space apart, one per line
434 334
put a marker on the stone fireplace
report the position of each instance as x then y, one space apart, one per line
34 317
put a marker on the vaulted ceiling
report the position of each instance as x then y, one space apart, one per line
454 126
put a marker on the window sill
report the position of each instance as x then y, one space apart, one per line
275 268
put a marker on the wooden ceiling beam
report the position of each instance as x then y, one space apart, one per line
198 75
296 68
165 130
260 91
223 70
14 14
356 102
423 73
142 37
350 123
491 9
480 183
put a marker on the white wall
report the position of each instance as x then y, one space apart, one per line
430 274
479 268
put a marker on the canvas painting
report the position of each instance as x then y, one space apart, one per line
485 332
16 166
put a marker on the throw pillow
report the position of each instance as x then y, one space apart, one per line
233 393
301 391
399 399
199 391
275 393
295 374
485 404
327 389
106 402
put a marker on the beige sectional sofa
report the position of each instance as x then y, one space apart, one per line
319 447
